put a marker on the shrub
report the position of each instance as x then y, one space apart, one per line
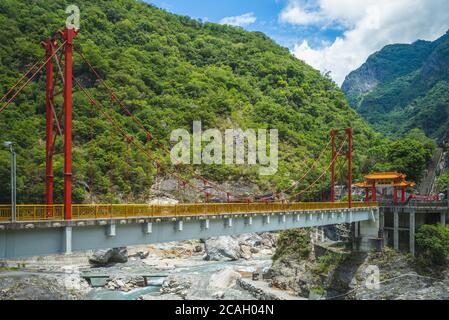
295 243
432 244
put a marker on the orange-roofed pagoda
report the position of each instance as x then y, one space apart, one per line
393 180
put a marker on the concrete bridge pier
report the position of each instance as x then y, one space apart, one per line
368 238
412 232
67 244
396 229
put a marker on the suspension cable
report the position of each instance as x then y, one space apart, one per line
31 78
310 169
141 125
128 138
323 174
21 79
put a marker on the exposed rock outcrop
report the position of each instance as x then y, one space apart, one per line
242 246
125 284
21 286
222 249
224 279
102 258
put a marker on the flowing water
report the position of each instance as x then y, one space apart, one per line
205 270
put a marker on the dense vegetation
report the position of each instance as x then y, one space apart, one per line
432 243
293 243
404 87
409 155
169 70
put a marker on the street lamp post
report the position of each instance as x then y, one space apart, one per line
10 145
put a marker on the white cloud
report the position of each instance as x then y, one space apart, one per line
240 21
295 14
370 25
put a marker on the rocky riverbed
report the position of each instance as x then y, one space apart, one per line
336 273
221 269
197 270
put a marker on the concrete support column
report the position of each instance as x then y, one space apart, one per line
396 229
443 219
382 234
67 245
412 232
368 234
148 228
111 230
179 225
266 220
356 230
205 224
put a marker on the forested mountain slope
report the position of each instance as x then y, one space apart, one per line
169 70
403 87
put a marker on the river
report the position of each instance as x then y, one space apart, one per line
195 267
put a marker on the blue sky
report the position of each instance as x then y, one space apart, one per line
266 12
330 35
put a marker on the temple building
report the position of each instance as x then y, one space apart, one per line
390 180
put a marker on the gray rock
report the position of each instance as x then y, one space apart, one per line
245 251
222 249
219 295
177 285
23 286
224 279
108 256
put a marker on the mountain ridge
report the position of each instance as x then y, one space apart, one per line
171 70
400 88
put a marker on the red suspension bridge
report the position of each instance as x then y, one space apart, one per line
59 54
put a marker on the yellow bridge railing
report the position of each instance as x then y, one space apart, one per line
80 212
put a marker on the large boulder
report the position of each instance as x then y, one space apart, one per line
224 279
108 256
222 249
177 284
268 240
251 239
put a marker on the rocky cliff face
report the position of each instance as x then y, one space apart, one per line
403 86
391 62
344 275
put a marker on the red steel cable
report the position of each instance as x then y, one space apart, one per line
141 125
30 79
21 79
322 175
129 138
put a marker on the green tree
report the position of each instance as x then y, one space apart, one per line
432 244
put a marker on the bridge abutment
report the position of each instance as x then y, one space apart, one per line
366 234
400 223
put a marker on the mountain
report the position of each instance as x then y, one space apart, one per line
169 70
404 86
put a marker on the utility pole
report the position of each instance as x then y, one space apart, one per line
10 145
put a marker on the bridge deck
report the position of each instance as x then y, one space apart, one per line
168 223
83 212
